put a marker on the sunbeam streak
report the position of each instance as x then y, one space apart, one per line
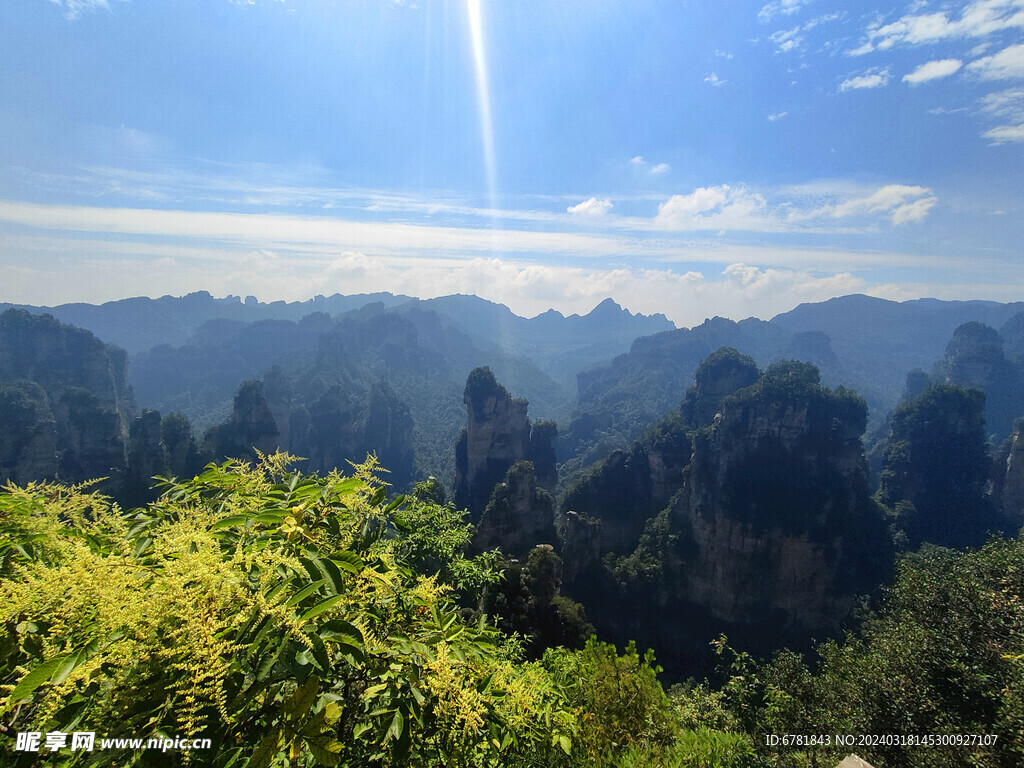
484 98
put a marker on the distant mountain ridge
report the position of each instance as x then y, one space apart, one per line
141 323
879 341
559 345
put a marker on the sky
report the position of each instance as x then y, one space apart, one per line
690 158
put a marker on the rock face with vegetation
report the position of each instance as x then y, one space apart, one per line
65 403
519 516
609 505
68 414
28 440
338 426
936 467
1012 332
1009 476
251 428
344 425
772 535
606 510
718 376
975 358
498 434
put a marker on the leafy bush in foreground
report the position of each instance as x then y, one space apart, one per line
269 612
944 656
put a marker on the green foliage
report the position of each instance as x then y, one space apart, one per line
621 696
481 384
941 657
937 465
270 612
619 491
721 373
528 603
628 720
434 538
791 380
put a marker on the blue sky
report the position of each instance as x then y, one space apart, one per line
688 158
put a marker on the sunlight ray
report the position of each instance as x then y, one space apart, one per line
484 98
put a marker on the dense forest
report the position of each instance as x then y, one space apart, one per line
379 531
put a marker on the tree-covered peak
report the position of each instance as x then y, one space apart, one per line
724 358
481 384
972 338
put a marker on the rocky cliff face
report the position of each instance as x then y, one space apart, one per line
1012 332
329 429
66 401
621 493
1012 491
771 536
28 438
182 453
631 486
722 373
61 357
936 468
146 458
975 357
498 434
774 515
251 427
519 516
388 433
67 414
346 423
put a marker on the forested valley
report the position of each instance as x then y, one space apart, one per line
383 531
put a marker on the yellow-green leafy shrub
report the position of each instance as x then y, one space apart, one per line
272 613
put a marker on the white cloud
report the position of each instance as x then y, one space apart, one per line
933 70
777 116
283 258
654 169
903 204
723 55
1006 104
1005 65
787 40
591 207
713 79
73 9
914 211
871 79
715 208
978 19
756 282
687 297
823 19
1004 134
780 8
305 233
